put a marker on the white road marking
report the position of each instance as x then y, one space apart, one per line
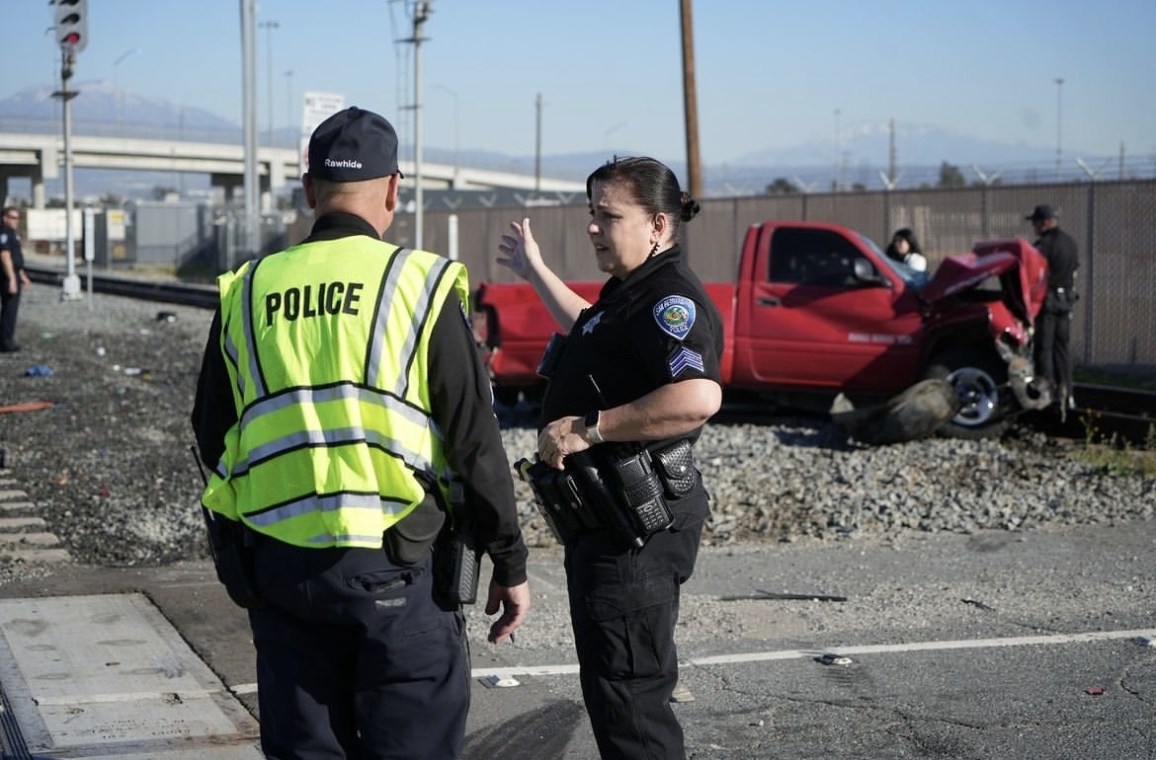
1146 634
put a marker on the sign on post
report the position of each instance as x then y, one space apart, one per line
319 106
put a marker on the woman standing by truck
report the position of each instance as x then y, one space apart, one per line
628 394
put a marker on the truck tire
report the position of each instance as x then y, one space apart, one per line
980 381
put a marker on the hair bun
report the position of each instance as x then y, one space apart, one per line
690 208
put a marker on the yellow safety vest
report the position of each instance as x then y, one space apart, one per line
327 348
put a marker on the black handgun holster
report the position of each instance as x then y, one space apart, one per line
231 544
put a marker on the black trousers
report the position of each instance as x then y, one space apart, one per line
355 659
9 305
1053 357
623 607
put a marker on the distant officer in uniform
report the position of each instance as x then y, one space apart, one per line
341 405
13 278
639 372
1053 327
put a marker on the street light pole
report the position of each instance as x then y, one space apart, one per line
116 86
1059 123
837 167
457 142
269 26
289 108
252 226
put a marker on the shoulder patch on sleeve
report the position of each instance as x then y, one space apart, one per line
675 316
3 238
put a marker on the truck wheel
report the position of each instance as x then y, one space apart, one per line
980 382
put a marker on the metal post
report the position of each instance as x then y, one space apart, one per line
457 140
538 144
421 12
835 169
71 286
269 26
289 120
249 89
1059 123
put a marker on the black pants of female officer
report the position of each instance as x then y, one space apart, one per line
624 606
355 659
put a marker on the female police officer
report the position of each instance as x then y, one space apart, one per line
639 370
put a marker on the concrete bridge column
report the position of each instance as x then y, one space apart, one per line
4 189
38 195
233 185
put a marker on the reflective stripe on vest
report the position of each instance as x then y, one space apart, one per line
334 440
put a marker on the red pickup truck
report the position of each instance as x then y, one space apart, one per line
819 309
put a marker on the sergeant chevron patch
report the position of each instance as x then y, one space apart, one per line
684 359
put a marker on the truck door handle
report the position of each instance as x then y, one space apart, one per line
767 301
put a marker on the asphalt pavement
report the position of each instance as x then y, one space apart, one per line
995 645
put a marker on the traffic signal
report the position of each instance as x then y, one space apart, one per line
71 24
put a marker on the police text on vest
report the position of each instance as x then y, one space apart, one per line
328 298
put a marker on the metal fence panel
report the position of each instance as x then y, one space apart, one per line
1114 224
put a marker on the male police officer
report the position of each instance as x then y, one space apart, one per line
1053 329
341 402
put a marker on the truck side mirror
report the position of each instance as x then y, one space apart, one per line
865 272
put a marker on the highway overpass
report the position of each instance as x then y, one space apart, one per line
40 157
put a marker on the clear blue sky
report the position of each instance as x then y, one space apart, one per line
770 73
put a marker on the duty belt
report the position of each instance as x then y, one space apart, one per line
626 494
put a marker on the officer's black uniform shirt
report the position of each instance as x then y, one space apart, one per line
655 327
10 241
1059 249
457 379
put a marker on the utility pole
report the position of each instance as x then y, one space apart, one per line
249 120
421 12
690 102
538 143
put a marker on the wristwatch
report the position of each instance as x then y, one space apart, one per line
591 423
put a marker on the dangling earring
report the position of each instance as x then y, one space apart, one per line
653 248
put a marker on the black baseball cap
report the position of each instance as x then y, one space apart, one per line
353 145
1041 212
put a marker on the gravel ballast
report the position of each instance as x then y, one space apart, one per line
110 469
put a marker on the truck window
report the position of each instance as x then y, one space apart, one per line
812 257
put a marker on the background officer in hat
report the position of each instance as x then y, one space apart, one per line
13 278
1053 327
341 406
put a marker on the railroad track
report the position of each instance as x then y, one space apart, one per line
1102 412
203 296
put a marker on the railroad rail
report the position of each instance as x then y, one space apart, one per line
1102 412
184 294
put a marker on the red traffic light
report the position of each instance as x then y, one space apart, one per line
71 24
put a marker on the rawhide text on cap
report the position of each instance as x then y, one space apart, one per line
351 146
